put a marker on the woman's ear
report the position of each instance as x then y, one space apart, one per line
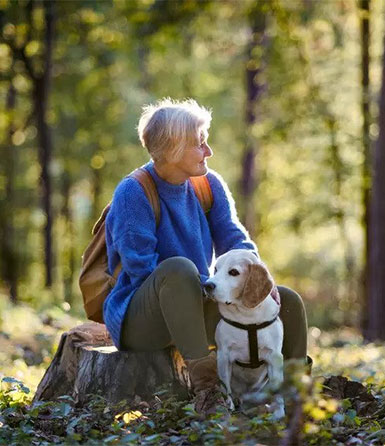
258 285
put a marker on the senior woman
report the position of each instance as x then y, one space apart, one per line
157 300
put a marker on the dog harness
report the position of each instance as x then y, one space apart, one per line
252 330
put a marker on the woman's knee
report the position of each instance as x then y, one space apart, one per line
293 316
291 301
178 268
179 287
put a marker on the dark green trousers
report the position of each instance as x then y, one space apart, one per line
169 308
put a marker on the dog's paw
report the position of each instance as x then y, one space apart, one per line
278 414
230 403
277 408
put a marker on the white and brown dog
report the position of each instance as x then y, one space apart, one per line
249 336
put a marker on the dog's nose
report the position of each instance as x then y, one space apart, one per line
209 286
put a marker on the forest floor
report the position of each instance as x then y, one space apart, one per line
348 411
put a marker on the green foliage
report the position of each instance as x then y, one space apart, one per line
166 420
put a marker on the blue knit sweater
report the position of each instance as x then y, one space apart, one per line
133 238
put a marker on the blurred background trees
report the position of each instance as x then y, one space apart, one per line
293 87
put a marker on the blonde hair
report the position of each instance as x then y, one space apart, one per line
167 127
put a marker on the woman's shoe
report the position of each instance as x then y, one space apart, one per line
205 384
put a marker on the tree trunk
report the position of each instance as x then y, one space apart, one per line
41 94
9 256
41 79
97 207
254 88
69 249
87 363
336 164
143 54
366 171
187 45
45 154
376 313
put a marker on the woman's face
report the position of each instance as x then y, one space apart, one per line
193 160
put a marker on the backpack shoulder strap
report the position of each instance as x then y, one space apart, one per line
203 191
145 179
101 219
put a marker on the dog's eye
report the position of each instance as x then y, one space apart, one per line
234 272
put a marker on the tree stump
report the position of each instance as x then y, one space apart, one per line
86 362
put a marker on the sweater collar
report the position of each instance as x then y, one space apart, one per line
165 188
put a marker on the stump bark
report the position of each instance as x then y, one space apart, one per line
86 362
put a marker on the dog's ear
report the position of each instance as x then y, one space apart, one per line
258 285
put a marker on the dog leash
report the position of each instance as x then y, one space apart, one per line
252 331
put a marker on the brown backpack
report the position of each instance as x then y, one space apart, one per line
95 280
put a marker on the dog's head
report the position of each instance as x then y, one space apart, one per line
240 278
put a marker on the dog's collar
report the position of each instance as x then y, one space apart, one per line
252 331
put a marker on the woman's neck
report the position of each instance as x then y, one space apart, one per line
170 173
